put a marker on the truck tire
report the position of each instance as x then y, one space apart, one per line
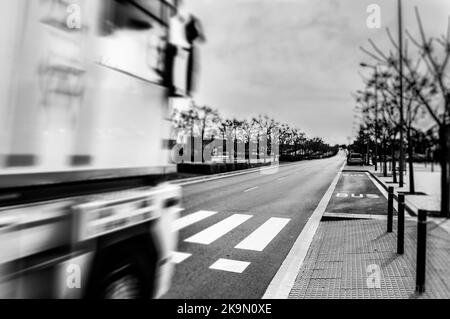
127 275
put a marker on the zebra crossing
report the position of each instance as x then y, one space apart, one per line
211 234
256 241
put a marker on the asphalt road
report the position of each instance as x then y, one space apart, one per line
255 220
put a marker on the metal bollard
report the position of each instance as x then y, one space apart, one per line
390 218
401 225
421 251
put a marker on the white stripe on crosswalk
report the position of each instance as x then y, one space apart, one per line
260 238
178 258
230 265
218 230
191 219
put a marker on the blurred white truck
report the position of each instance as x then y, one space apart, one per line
84 149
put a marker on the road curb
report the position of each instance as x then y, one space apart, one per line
284 280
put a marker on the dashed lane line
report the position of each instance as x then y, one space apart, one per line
251 189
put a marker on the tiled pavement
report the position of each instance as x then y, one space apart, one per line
339 259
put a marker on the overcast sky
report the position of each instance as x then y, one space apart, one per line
295 60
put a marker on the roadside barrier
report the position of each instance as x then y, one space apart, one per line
421 250
401 224
390 218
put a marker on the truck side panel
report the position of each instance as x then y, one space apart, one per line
77 98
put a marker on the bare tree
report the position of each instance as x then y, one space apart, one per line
427 79
235 126
207 121
248 129
184 122
284 137
266 125
225 131
299 139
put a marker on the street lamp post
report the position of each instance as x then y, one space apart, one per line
400 53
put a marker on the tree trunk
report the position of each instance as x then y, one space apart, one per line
384 159
444 159
224 148
235 148
258 148
394 168
247 152
203 146
192 146
432 162
412 188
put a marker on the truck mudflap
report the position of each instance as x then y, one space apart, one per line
37 232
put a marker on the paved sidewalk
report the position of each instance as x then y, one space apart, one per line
337 262
426 183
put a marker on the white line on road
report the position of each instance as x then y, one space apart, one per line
251 189
230 265
191 219
260 238
218 230
280 179
178 258
284 280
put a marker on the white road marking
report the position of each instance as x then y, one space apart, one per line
281 285
260 238
178 258
230 265
251 189
280 179
218 230
191 219
368 196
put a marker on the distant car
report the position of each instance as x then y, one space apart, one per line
355 159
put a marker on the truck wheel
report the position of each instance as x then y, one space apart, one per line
126 278
124 283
